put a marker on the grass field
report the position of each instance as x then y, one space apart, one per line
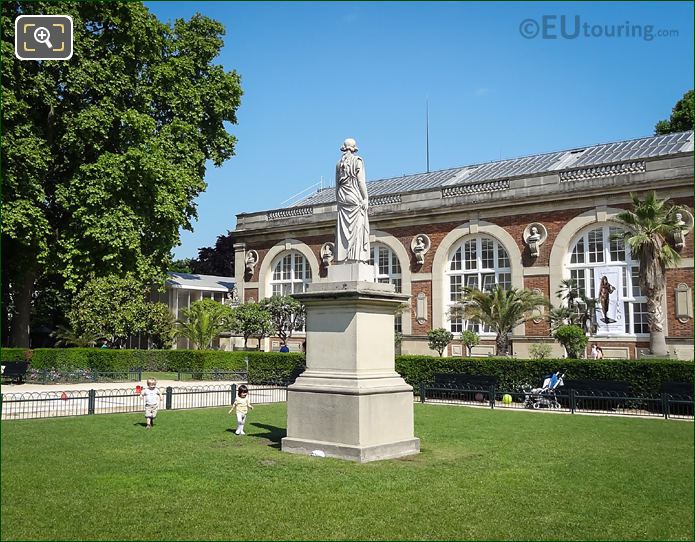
482 474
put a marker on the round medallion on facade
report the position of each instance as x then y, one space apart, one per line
420 245
534 236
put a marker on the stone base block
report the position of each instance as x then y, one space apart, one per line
352 453
361 420
351 272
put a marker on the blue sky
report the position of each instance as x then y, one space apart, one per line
314 73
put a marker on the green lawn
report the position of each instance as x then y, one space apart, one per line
482 474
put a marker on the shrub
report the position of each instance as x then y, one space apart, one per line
439 339
263 366
540 350
14 354
644 376
573 339
470 338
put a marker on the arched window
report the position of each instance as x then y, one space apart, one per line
600 248
388 271
291 274
479 262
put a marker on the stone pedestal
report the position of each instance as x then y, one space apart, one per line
350 403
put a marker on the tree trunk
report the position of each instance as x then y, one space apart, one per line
22 318
655 317
501 344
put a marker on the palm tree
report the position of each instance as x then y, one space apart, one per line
580 309
501 310
650 223
66 336
204 320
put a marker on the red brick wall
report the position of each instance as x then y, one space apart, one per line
542 328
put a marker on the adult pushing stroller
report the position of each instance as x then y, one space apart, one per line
544 397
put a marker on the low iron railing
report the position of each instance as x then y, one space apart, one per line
662 405
18 406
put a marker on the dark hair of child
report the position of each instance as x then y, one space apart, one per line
242 389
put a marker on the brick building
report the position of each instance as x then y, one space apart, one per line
527 223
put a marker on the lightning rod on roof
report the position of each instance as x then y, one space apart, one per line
427 132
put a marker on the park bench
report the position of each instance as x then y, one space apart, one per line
680 389
14 371
470 387
597 394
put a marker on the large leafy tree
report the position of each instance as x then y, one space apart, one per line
286 314
103 155
682 116
203 321
650 224
217 260
115 308
502 310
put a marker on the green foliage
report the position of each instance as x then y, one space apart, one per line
644 376
252 320
203 321
263 366
181 266
286 314
650 223
682 116
580 309
438 339
469 338
217 260
115 308
502 310
68 337
573 339
159 325
14 354
540 350
104 155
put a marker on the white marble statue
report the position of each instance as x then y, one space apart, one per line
680 232
352 235
419 249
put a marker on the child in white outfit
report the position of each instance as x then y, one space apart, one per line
242 405
152 397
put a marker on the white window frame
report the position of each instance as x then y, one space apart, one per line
380 254
284 279
475 271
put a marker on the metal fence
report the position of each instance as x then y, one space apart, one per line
571 401
17 406
79 376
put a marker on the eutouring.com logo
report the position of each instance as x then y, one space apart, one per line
568 27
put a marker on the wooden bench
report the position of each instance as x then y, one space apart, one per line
14 371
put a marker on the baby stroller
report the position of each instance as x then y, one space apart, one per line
544 397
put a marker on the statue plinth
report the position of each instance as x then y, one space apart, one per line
350 402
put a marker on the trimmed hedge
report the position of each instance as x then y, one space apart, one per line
263 366
644 376
14 354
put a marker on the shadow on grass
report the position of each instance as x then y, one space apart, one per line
274 434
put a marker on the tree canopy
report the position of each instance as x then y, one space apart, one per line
103 155
682 116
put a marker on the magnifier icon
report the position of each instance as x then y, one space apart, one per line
42 35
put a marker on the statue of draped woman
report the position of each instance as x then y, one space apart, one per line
352 235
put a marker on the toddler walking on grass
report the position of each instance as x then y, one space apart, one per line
152 397
242 405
